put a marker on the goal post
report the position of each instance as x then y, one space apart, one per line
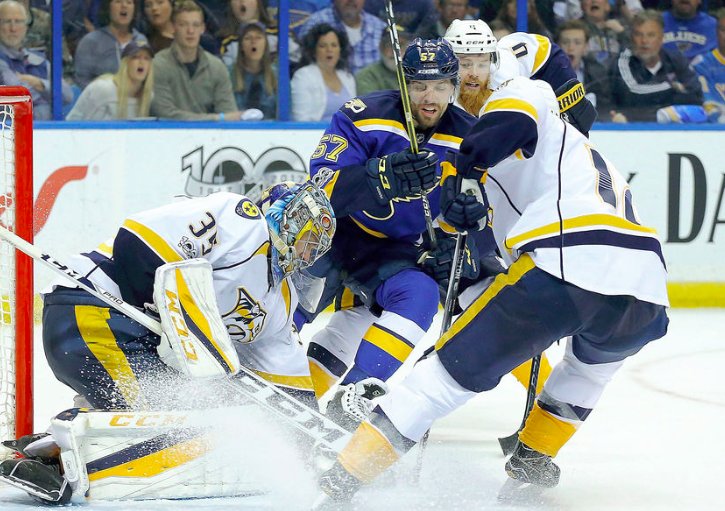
16 268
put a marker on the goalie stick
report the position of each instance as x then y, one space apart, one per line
248 384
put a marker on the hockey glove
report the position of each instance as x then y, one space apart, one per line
464 204
401 174
438 263
574 107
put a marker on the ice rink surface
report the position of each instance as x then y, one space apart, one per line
654 442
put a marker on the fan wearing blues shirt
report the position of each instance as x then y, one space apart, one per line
710 69
363 30
689 30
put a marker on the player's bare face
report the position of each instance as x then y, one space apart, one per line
188 27
429 100
253 45
158 12
121 12
306 247
139 66
474 71
647 41
327 51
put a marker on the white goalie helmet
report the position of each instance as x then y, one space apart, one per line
472 37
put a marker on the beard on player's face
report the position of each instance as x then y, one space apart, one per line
473 99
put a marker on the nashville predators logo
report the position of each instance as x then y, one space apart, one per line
246 320
247 209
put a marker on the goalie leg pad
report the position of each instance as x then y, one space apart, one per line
194 339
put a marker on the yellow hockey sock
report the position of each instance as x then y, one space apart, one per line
545 432
523 373
322 380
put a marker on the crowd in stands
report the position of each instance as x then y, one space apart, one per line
639 60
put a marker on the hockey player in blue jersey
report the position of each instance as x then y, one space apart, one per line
374 182
710 69
581 264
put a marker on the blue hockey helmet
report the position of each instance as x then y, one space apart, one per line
430 59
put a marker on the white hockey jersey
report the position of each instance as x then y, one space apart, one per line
520 54
556 197
230 232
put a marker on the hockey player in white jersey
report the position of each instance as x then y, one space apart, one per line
486 63
582 264
250 256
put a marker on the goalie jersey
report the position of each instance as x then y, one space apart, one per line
553 195
226 229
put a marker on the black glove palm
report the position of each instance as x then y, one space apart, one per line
401 174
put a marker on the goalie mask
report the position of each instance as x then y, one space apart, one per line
301 225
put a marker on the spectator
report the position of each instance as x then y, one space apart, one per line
124 95
409 14
448 10
507 15
363 29
300 10
649 77
499 29
320 88
565 10
254 75
99 52
21 66
689 30
573 38
383 74
710 68
159 29
607 36
190 83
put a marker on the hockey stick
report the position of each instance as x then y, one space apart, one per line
248 384
508 444
409 126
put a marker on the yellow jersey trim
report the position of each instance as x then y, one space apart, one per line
542 54
153 240
574 223
286 294
719 56
517 270
296 382
388 342
513 105
368 230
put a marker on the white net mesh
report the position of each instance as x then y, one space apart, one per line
7 278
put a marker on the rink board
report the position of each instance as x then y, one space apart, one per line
87 181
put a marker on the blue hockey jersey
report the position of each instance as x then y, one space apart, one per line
690 37
710 69
368 127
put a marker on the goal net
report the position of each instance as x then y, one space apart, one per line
16 270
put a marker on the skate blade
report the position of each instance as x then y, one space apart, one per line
324 503
515 491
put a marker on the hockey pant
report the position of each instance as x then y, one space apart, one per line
379 345
521 314
112 361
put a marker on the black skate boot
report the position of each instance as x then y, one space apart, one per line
529 466
352 403
42 481
338 487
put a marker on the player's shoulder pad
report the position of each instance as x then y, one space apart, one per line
381 104
518 95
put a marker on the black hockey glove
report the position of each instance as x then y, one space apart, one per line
401 174
464 210
574 107
438 263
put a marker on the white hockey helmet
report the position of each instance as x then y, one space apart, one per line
472 37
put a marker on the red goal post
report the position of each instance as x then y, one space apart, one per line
16 268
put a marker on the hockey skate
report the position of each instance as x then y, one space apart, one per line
352 403
338 487
529 472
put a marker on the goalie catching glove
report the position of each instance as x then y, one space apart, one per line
464 204
401 174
